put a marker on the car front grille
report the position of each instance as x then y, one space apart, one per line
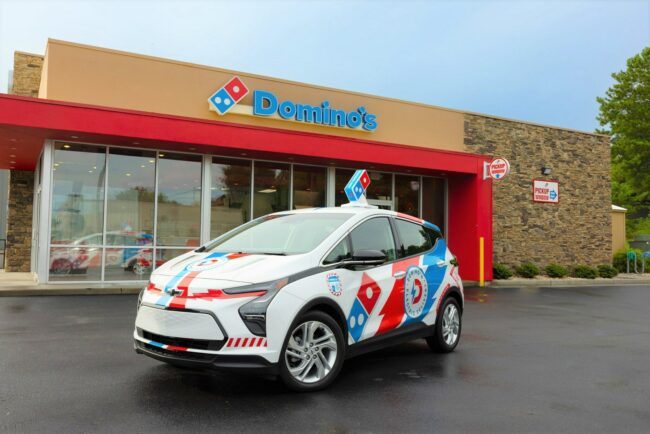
196 344
186 355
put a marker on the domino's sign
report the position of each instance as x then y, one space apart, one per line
267 104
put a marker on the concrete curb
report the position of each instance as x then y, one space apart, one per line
67 290
533 283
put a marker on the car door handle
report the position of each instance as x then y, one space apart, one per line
399 275
441 263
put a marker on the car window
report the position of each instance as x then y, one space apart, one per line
434 235
374 234
414 237
281 234
339 253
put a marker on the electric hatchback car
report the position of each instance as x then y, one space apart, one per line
296 293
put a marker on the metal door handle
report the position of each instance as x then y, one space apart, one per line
399 275
441 263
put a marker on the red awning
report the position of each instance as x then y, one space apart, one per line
25 123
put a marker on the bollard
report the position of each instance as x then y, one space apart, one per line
631 255
643 256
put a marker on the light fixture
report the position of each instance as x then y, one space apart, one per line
74 137
13 155
192 148
546 170
152 161
127 174
161 155
243 154
136 143
12 140
268 190
66 146
12 162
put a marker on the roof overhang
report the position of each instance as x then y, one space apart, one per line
25 124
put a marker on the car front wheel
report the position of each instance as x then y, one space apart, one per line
313 352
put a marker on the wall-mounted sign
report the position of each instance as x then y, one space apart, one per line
546 191
267 104
497 169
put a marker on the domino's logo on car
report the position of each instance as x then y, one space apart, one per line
357 186
230 94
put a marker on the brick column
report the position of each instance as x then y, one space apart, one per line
19 221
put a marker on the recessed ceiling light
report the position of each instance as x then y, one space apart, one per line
12 162
142 165
136 143
192 148
127 174
66 146
13 156
243 154
74 137
161 155
12 140
152 161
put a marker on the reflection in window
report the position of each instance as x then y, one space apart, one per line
407 194
75 263
78 192
128 263
433 201
179 200
374 234
130 210
413 236
271 188
230 195
164 255
309 186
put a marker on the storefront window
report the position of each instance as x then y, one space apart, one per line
341 178
130 210
407 194
433 201
79 263
230 195
271 188
179 200
309 186
78 193
128 263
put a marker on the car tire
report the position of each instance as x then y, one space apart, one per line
315 375
448 327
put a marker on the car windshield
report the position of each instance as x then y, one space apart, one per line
283 234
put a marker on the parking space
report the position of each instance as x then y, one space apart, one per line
530 360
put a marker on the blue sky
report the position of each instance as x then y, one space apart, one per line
537 61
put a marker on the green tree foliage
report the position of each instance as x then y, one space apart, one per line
625 115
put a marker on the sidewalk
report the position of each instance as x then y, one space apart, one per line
22 284
544 281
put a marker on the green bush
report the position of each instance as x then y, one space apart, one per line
620 261
555 270
501 271
607 271
527 270
585 272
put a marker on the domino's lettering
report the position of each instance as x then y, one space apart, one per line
266 104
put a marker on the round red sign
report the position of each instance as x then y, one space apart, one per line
499 168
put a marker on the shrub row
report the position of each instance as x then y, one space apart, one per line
530 270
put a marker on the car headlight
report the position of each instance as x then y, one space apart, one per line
253 313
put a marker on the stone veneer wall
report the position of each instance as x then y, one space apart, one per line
27 74
578 230
19 221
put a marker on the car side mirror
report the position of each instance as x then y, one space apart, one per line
366 257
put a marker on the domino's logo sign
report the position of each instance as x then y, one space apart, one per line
206 264
357 186
230 94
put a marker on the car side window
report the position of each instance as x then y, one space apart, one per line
414 237
434 235
339 253
375 234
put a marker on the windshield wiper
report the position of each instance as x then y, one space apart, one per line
270 253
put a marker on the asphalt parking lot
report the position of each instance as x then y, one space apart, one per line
530 360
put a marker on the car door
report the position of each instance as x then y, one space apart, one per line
364 288
427 269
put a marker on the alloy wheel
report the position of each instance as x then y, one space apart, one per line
311 352
450 324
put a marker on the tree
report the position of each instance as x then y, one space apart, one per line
625 115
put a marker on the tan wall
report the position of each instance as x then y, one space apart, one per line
91 75
27 74
618 230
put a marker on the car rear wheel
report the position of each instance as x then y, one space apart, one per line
313 352
448 327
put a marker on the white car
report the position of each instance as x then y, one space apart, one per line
296 293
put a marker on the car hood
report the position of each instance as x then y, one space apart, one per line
243 268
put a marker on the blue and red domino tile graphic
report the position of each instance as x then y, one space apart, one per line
230 94
394 313
356 187
182 280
